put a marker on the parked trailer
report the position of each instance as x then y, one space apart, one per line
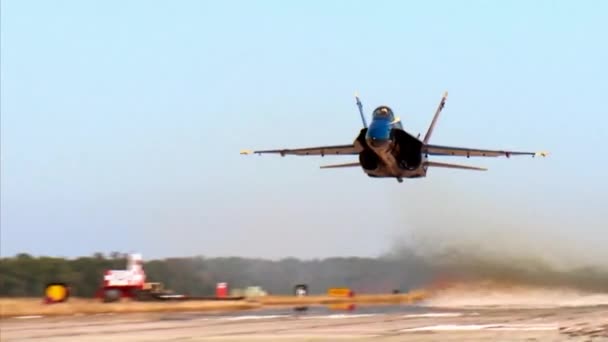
131 283
125 283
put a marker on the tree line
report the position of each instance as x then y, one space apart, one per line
25 276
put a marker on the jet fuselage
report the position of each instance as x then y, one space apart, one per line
386 150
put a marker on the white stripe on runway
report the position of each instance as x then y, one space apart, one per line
339 316
242 318
434 314
498 327
29 317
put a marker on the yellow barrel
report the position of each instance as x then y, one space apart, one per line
56 293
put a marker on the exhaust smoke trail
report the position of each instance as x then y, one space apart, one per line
484 245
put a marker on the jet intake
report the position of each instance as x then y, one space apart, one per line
410 160
409 150
368 160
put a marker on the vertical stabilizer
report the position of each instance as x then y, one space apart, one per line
361 110
427 137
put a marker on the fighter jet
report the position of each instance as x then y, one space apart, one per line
386 150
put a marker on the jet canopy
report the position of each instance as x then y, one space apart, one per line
383 112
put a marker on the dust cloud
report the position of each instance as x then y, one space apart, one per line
509 295
495 251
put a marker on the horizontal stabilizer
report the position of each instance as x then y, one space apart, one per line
335 166
455 166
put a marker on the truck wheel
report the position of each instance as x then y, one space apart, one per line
111 295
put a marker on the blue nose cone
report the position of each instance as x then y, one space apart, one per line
379 133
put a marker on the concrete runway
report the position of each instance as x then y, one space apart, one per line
387 323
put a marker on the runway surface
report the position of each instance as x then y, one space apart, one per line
385 323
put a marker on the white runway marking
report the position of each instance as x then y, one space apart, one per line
297 337
242 318
339 316
495 327
29 317
527 327
434 314
451 327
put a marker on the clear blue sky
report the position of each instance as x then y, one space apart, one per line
122 122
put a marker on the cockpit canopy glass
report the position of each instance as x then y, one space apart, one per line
383 112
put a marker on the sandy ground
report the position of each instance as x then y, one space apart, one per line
386 323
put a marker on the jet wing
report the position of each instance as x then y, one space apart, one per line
311 151
437 150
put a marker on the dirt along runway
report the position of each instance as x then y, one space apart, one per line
386 323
